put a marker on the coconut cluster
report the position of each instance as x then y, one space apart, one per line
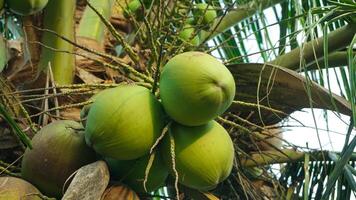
124 123
196 88
201 17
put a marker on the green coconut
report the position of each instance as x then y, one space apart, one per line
85 110
208 12
133 6
26 7
195 88
203 154
187 35
132 172
59 149
12 188
124 122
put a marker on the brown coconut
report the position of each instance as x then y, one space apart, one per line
12 188
59 149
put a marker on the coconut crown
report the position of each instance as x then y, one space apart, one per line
132 172
195 88
203 154
26 7
59 149
124 122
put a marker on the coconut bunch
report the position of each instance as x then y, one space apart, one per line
196 88
126 124
201 17
196 18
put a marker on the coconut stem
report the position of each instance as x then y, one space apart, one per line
283 156
4 170
59 18
17 130
117 35
91 26
164 131
148 168
173 157
338 39
3 54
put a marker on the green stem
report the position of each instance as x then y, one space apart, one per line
338 39
3 53
235 16
91 27
336 59
59 17
119 37
17 130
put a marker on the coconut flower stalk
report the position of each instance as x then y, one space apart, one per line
59 18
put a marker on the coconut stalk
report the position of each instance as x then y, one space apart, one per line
283 156
91 31
337 39
59 18
335 59
3 53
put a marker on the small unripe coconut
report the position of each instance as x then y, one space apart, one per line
12 188
195 88
133 6
203 154
119 192
59 149
124 122
187 35
26 7
132 172
208 12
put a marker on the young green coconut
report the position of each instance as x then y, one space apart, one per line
12 188
26 7
187 35
59 149
203 154
132 172
208 12
124 122
195 88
